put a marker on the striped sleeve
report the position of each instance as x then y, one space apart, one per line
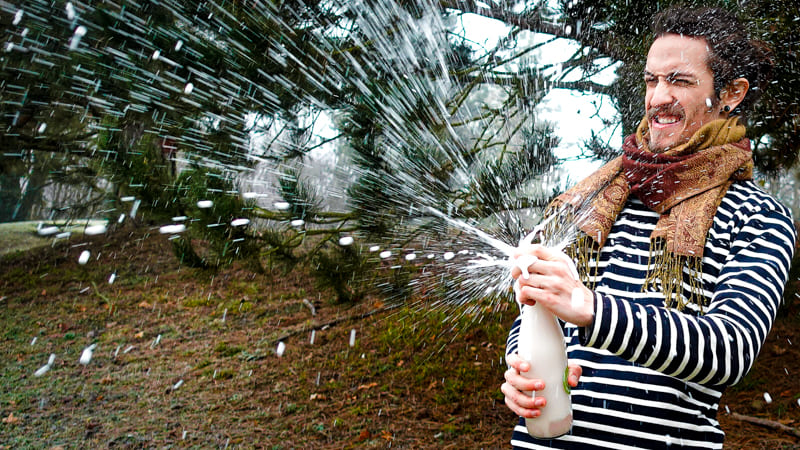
513 336
719 347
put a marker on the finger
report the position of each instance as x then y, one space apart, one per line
524 263
520 411
516 362
521 403
528 295
557 256
522 384
575 372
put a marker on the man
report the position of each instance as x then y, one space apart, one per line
683 258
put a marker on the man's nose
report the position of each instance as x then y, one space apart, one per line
661 94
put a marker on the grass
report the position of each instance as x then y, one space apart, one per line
215 380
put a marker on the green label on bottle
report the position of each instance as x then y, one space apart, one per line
566 380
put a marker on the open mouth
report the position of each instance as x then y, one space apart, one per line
665 119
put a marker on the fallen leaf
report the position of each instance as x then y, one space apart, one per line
144 304
12 419
364 435
367 386
139 335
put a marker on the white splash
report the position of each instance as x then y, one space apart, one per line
353 337
135 208
86 355
94 230
205 204
240 222
345 241
448 256
188 88
47 231
297 223
18 17
112 278
282 206
172 229
43 370
385 254
80 32
281 348
84 257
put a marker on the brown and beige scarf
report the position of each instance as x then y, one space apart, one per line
685 185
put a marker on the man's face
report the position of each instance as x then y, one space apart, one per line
680 90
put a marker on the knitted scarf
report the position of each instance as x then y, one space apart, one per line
684 184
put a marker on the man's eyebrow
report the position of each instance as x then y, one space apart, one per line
672 76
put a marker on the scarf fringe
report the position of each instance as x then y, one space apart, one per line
668 270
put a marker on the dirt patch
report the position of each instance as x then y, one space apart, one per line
189 358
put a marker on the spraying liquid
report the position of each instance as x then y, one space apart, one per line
541 340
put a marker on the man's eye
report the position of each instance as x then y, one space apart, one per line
681 82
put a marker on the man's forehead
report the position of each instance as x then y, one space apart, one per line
672 54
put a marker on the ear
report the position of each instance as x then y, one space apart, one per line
734 93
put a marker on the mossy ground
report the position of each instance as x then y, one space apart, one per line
187 358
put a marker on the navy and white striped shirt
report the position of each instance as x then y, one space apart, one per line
653 376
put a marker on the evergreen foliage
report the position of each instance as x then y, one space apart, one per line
174 102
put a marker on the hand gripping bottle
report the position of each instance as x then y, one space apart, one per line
541 344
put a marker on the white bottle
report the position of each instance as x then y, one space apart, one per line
541 344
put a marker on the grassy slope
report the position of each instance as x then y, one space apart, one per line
211 383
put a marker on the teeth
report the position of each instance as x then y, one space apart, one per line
666 120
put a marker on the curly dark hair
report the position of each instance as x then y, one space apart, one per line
732 54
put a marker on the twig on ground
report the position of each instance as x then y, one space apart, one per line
766 423
310 306
334 322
